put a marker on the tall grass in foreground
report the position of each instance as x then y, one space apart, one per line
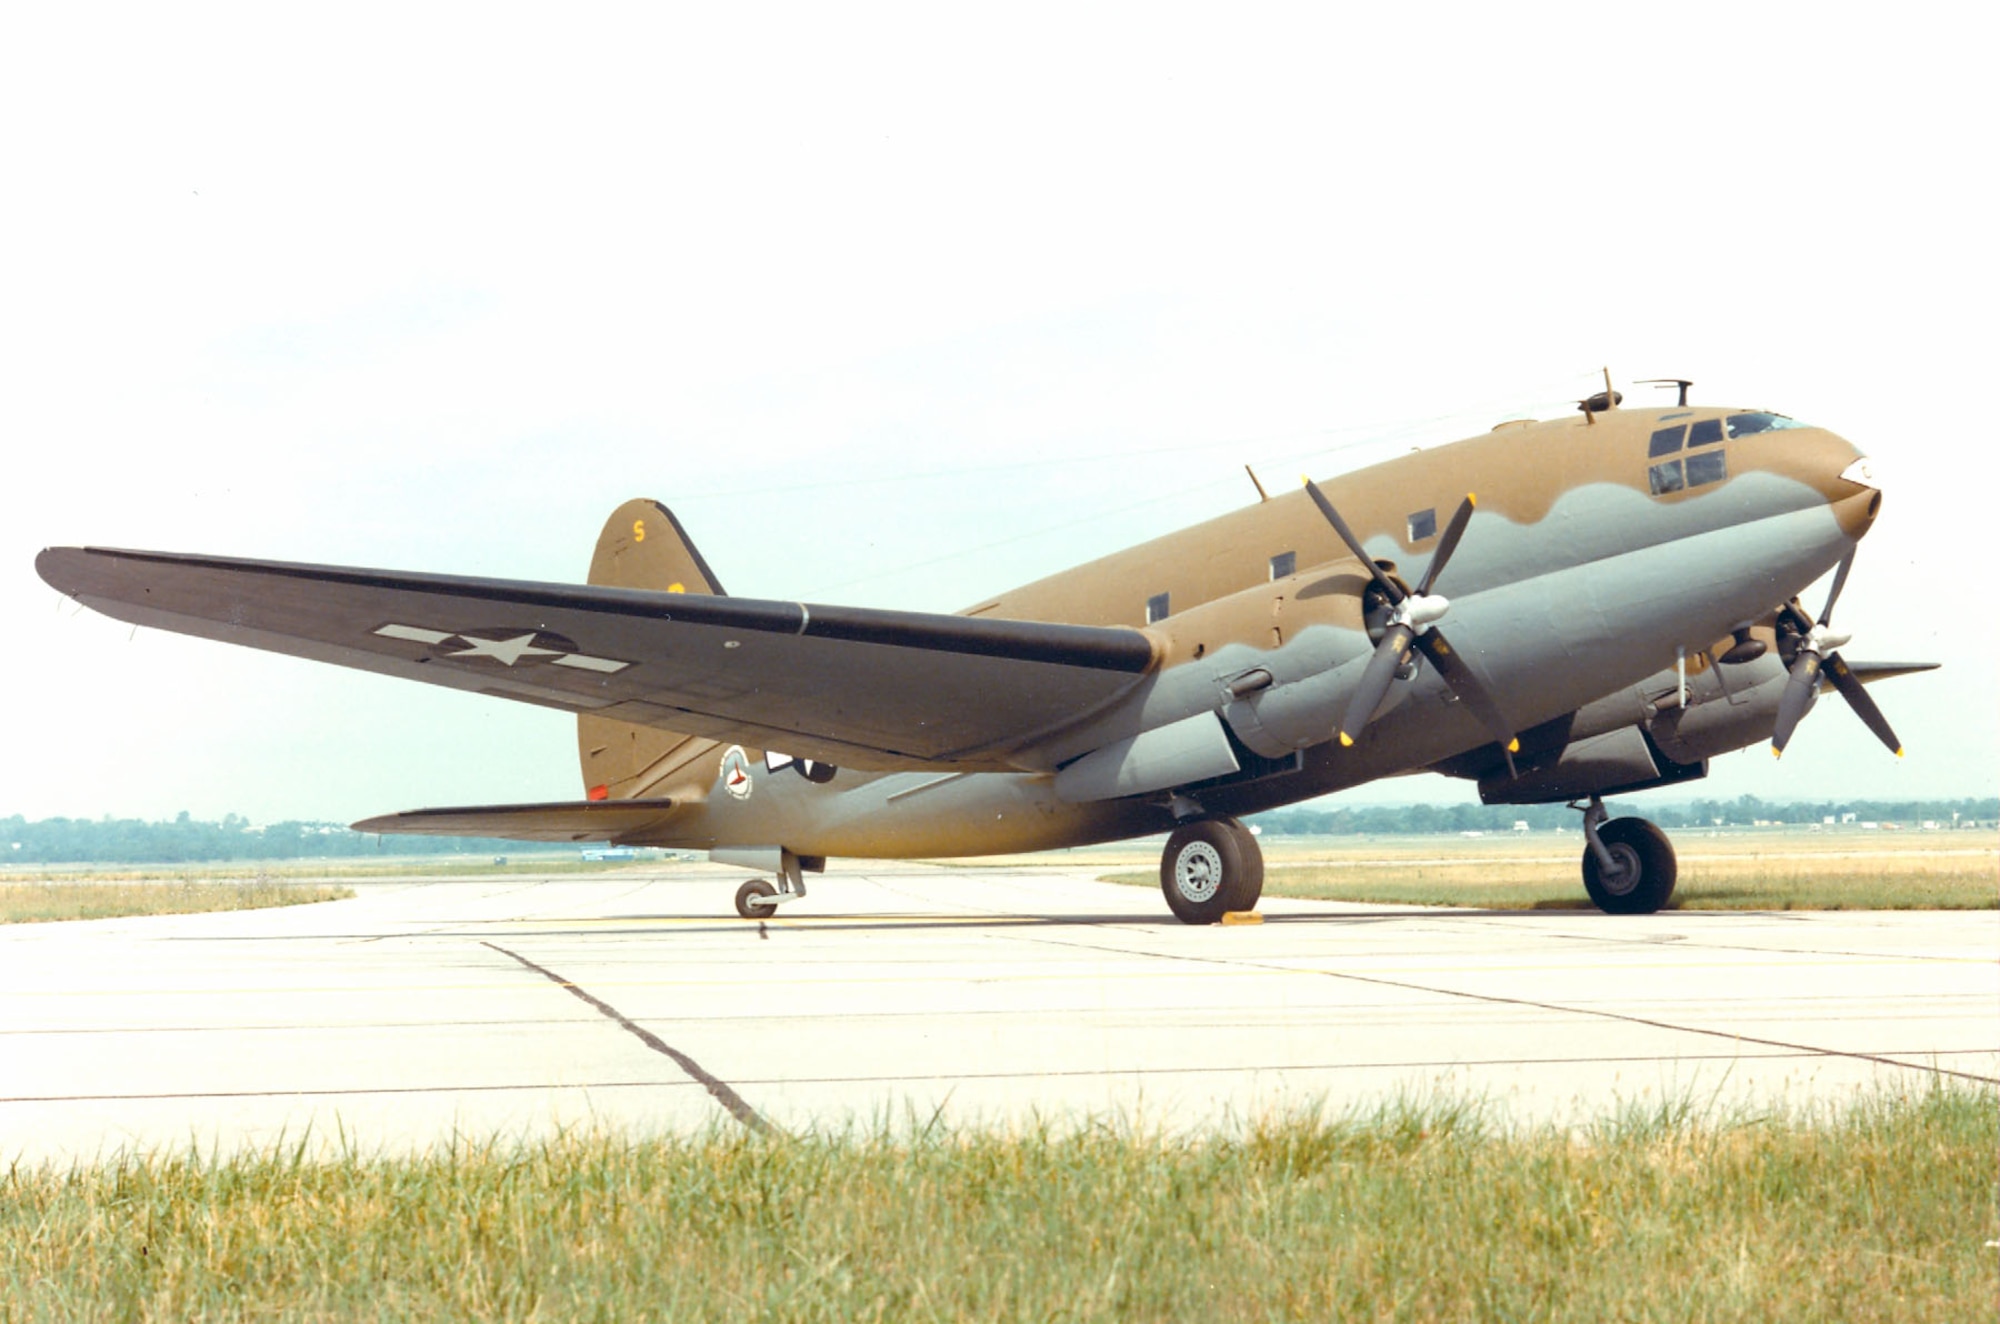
34 902
1420 1210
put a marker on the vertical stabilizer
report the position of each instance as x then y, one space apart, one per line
642 546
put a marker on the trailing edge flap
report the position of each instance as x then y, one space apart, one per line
846 685
627 822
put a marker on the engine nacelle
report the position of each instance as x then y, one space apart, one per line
1613 763
1719 725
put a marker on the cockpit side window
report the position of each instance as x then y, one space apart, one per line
1742 425
1707 467
1666 478
1705 433
1666 441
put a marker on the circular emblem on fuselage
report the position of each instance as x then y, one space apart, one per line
736 772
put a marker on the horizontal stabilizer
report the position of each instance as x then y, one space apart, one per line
626 822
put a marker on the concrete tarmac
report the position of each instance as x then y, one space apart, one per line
509 1006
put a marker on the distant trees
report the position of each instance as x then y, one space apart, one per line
1743 811
187 840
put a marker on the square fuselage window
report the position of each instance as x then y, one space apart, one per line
1423 524
1156 608
1284 565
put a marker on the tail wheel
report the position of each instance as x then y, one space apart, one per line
1645 872
752 899
1210 868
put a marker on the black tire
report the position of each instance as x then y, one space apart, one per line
1210 868
750 902
1647 870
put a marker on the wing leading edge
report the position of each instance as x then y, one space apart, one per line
855 686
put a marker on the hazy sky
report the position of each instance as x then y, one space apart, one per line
898 307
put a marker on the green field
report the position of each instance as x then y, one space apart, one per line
1415 1211
1783 869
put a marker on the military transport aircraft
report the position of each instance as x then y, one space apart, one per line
1622 607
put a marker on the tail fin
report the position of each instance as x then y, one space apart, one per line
642 546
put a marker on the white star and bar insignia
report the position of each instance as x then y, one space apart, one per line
507 647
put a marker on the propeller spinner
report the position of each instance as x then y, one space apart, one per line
1413 624
1817 652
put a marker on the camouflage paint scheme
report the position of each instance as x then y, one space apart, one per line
1057 713
1571 591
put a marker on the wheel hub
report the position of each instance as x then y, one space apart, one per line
1621 880
1198 871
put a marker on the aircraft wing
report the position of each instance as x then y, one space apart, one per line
852 686
625 822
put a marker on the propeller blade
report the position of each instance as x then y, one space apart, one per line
1389 655
1458 676
1851 689
1839 582
1798 697
1448 544
1388 585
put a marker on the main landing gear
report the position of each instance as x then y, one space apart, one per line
1210 867
1628 866
759 898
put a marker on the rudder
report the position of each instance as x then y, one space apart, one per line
642 546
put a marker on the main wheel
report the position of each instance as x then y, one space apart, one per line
751 902
1643 879
1210 868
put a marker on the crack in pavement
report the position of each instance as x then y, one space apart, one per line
716 1086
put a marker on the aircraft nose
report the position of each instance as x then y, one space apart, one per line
1856 496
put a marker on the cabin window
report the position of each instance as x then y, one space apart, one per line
1284 565
1705 433
1666 478
1156 608
1707 467
1666 441
1423 524
1742 425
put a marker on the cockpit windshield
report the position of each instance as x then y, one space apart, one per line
1742 425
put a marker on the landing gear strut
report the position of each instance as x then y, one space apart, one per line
759 898
1210 867
1628 866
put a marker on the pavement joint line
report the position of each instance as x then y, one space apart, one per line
1557 1007
715 1085
1273 1068
1229 969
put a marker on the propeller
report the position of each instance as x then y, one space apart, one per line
1817 651
1412 623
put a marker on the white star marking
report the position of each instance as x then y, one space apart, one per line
505 651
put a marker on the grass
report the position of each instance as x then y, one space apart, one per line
1421 1210
32 902
1794 872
